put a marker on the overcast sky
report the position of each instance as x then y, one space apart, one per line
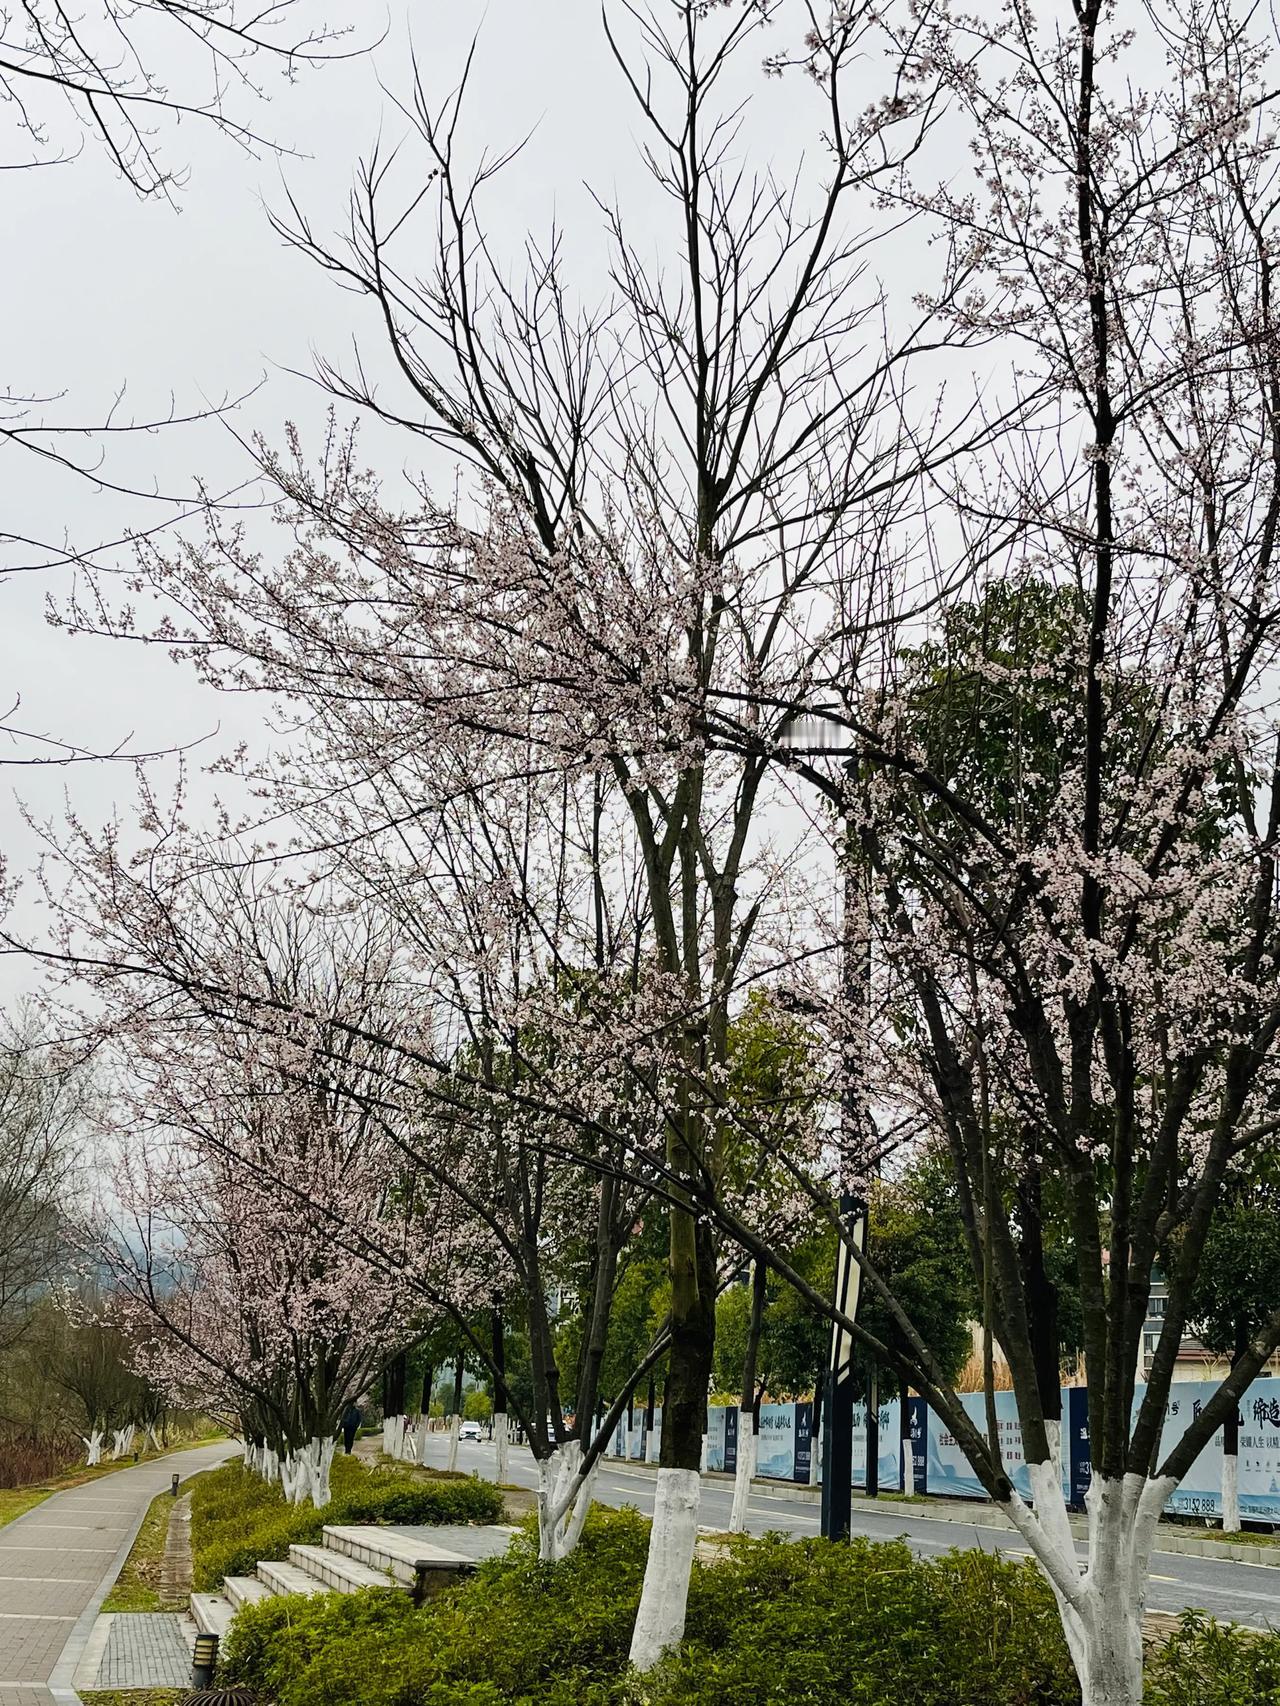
185 308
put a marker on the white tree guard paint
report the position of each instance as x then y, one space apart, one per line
1230 1495
502 1447
393 1435
1101 1603
815 1461
319 1463
664 1597
1053 1433
908 1467
564 1498
294 1477
455 1422
626 1439
652 1446
94 1443
706 1453
122 1441
744 1472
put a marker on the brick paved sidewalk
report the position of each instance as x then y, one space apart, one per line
56 1565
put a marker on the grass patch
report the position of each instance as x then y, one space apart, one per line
17 1501
133 1696
237 1519
138 1584
1244 1538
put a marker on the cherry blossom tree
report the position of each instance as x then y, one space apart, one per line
247 1184
681 499
1078 941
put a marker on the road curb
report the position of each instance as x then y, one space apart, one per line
1168 1539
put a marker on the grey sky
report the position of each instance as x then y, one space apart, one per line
205 302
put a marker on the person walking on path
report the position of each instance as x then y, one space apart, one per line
351 1419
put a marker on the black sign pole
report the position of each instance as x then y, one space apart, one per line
837 1409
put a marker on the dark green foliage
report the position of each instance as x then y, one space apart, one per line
1239 1276
869 1625
236 1519
1213 1664
778 1622
520 1631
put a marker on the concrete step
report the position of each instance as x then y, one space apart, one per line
446 1551
244 1590
336 1570
287 1578
211 1613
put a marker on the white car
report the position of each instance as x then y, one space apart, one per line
471 1430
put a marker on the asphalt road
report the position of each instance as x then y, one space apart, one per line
1239 1593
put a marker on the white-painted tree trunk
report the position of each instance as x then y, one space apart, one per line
1101 1603
122 1441
270 1470
393 1435
744 1471
1230 1495
152 1441
626 1439
908 1467
294 1476
502 1447
706 1453
664 1597
653 1445
815 1461
455 1422
1053 1433
319 1463
94 1444
564 1498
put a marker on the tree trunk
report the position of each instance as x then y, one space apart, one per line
664 1596
395 1374
906 1450
815 1433
500 1435
1231 1446
564 1499
456 1416
748 1411
873 1434
1101 1605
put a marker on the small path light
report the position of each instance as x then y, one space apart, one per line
173 1486
204 1660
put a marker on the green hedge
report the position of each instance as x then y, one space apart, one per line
237 1519
778 1623
1215 1664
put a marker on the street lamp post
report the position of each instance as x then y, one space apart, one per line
837 1411
821 737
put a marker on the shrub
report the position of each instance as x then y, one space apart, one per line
777 1621
1210 1664
237 1519
784 1621
26 1459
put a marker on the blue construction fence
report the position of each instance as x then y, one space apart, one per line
784 1448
